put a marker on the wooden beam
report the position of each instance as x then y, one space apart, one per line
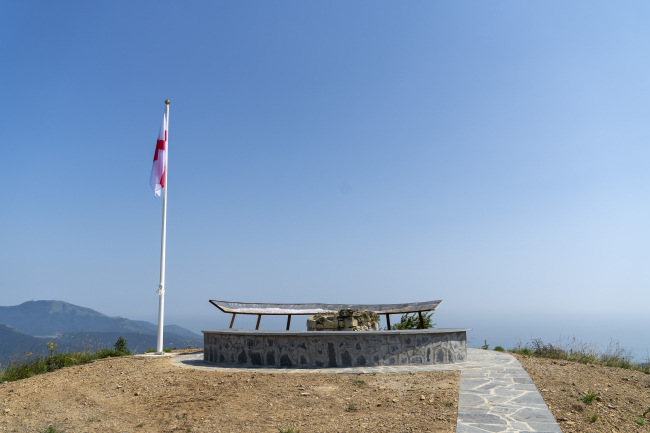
288 321
421 320
259 317
233 319
388 321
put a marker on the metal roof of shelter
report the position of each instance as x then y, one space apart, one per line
309 309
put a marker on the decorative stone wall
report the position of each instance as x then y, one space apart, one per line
322 349
344 320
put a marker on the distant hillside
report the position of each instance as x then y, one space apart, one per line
177 330
44 318
135 342
15 344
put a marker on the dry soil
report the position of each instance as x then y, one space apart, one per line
151 395
623 395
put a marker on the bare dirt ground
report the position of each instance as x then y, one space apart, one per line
151 395
623 395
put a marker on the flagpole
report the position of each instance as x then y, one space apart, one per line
161 286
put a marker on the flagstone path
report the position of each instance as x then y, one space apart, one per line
496 393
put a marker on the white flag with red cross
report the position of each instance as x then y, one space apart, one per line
157 180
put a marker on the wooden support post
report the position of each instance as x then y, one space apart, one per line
421 321
388 321
233 319
259 317
288 321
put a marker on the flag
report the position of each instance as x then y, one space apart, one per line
157 179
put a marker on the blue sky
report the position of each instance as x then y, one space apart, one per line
493 155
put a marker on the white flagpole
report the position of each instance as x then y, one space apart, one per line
161 286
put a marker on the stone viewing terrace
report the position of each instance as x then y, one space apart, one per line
331 349
340 335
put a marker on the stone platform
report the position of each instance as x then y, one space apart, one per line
335 349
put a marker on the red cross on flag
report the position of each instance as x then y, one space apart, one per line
157 180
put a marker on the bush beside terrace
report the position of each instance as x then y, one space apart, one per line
30 365
571 349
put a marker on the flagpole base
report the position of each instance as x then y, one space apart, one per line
161 309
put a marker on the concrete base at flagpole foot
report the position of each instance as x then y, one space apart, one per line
335 349
157 355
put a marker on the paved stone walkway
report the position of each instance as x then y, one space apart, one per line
496 393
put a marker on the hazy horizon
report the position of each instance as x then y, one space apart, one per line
507 332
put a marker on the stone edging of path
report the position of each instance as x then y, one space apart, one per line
496 394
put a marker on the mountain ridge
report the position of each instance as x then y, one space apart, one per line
45 318
25 329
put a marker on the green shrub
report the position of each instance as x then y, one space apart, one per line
589 397
120 345
614 355
521 350
412 321
485 345
593 418
51 429
288 430
499 349
547 350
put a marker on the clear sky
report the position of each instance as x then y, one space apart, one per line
491 154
